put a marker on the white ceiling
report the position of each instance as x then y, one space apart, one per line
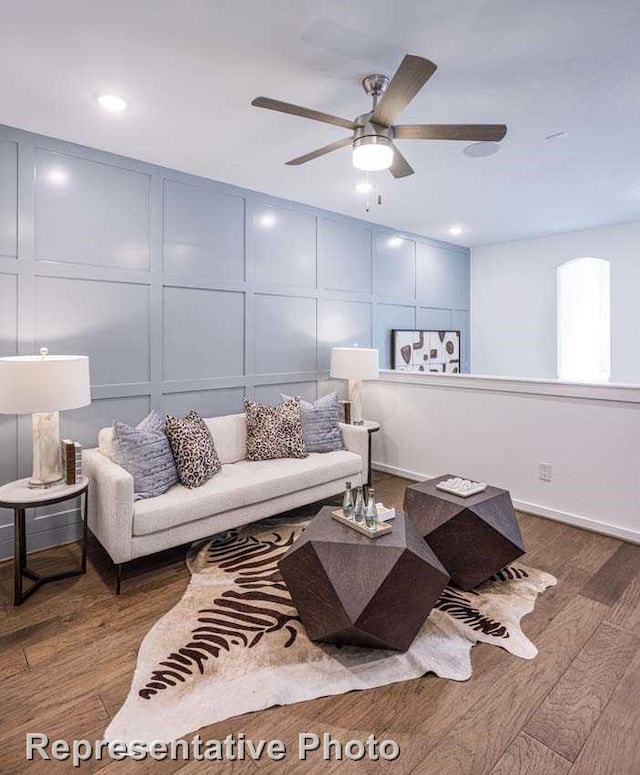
191 67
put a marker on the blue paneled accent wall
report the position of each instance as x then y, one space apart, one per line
186 292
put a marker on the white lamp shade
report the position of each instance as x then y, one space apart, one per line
354 363
32 384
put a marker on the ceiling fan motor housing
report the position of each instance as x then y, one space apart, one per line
369 129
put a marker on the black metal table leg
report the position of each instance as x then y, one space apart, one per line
85 531
21 570
371 429
20 553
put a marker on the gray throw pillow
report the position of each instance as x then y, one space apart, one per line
193 449
320 428
274 431
146 455
152 422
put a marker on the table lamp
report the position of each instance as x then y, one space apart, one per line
43 385
355 364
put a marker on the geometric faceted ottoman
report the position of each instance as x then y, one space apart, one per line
473 537
355 590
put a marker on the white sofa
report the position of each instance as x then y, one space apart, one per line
240 493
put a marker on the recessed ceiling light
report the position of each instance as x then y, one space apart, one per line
112 102
364 187
557 136
267 220
455 230
479 150
57 176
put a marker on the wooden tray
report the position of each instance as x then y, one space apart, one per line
382 528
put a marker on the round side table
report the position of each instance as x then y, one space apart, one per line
19 497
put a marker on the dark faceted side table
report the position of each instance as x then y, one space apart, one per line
473 537
350 589
19 497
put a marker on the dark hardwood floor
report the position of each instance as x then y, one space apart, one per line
68 654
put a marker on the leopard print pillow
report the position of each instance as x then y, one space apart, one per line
274 431
193 449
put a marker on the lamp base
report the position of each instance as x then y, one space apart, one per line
356 401
46 450
33 485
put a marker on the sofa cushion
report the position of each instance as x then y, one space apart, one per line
230 436
193 449
242 484
105 443
274 431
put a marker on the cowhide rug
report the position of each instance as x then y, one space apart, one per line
234 643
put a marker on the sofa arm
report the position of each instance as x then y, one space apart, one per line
110 504
356 439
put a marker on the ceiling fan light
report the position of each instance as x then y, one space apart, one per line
372 153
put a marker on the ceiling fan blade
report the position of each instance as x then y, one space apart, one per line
409 78
320 152
477 132
400 167
296 110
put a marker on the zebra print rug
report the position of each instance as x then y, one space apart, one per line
234 643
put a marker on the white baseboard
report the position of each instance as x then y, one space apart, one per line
586 523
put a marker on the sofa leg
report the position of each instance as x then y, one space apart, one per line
118 578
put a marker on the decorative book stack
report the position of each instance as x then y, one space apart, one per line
71 460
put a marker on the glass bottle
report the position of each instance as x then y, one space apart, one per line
347 502
358 509
371 513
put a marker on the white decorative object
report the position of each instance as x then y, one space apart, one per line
42 386
355 364
385 514
461 487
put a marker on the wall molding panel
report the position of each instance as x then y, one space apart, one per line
187 292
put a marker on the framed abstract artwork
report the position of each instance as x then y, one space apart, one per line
428 351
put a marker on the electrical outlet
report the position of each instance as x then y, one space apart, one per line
544 472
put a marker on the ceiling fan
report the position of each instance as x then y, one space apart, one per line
375 131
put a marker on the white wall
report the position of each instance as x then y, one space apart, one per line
513 301
485 430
